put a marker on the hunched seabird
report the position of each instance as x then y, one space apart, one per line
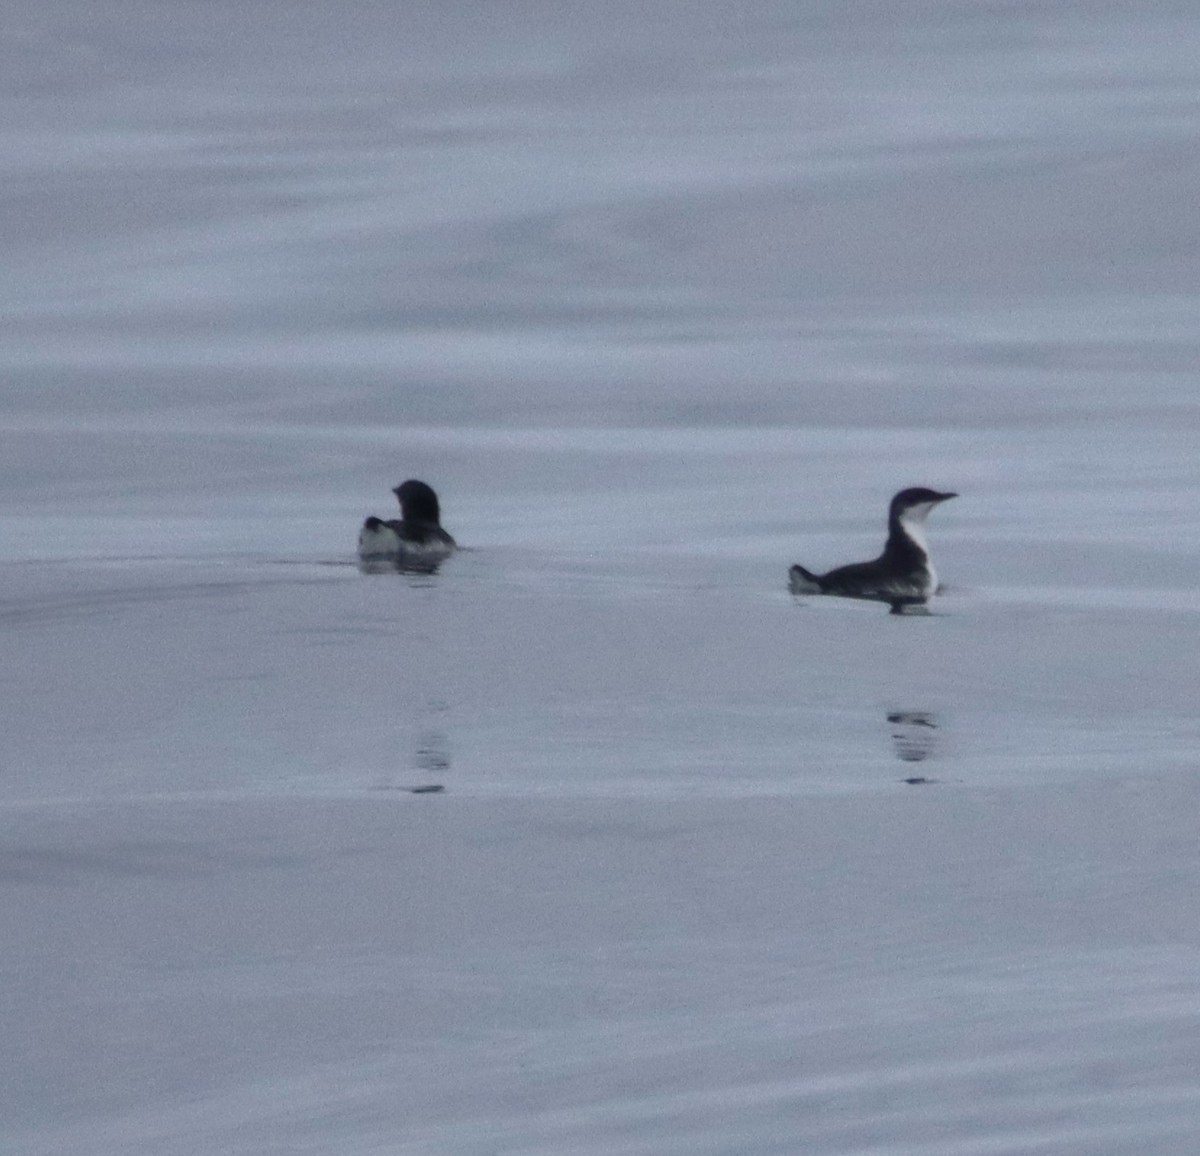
415 540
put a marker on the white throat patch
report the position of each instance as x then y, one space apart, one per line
912 521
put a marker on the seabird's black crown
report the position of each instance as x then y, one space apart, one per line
418 502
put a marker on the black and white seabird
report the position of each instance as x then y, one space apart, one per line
903 575
415 540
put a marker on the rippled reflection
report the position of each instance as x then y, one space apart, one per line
433 752
914 734
393 566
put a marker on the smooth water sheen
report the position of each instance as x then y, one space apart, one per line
660 300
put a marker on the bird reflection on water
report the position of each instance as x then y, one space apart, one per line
433 752
416 569
914 734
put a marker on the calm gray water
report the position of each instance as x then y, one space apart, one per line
660 302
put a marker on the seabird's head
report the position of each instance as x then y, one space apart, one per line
418 502
914 504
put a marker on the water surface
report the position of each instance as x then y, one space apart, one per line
660 302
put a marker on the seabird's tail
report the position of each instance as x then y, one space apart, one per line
801 581
377 539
